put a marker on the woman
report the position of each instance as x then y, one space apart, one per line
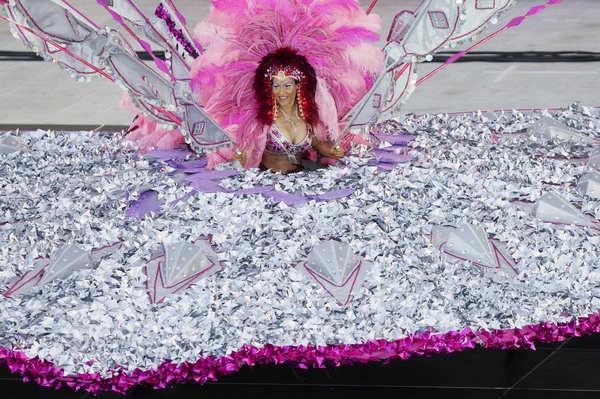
327 46
284 88
278 75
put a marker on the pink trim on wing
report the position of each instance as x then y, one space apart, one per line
46 40
441 44
157 61
389 37
33 21
514 22
82 15
485 22
396 77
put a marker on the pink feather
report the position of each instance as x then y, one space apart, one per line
356 34
365 57
325 6
219 156
328 113
148 135
331 34
231 6
146 132
127 104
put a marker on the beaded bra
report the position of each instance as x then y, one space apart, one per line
279 144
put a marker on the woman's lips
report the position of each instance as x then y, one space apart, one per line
282 99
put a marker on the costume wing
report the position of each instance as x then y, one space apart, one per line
59 32
413 38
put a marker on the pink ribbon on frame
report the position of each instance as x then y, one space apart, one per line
59 47
514 22
159 63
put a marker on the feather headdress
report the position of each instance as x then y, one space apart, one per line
332 35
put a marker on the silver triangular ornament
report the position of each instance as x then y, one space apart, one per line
555 209
589 184
64 261
336 268
471 242
183 260
549 128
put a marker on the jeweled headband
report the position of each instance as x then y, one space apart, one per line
281 72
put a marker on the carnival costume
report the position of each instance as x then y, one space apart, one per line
336 64
121 269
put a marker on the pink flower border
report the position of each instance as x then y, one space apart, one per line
209 368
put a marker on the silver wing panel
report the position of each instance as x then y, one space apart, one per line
58 32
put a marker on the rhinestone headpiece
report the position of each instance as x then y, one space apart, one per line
280 72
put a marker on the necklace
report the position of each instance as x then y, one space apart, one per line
289 118
293 121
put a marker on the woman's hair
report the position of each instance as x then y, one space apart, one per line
306 86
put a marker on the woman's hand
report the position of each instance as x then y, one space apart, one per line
336 151
329 150
238 155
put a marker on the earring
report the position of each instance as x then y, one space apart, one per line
274 105
301 102
273 112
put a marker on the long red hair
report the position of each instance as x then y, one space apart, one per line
307 86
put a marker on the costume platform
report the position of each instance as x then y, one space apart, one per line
456 231
434 234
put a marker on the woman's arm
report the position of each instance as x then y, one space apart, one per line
327 149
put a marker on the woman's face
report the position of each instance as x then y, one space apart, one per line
284 91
